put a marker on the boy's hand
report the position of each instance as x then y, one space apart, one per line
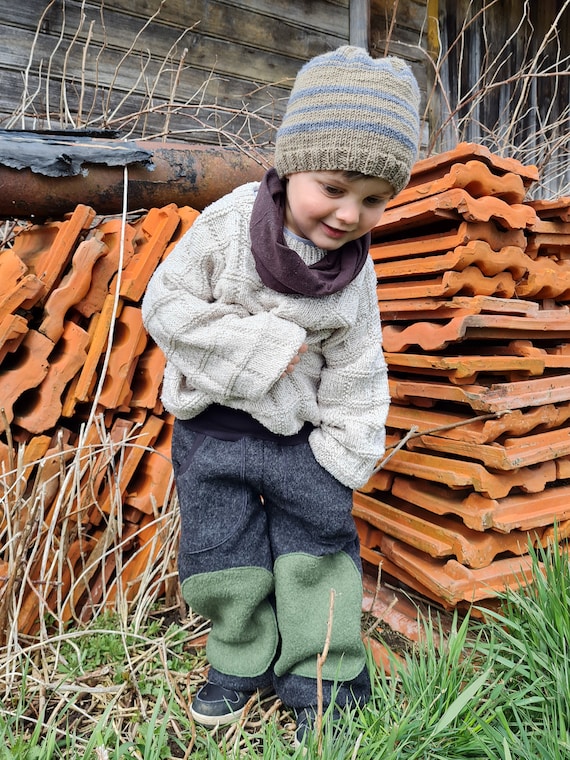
295 360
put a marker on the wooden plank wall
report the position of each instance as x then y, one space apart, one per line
220 71
200 70
504 82
494 73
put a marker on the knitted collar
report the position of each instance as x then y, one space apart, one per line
282 269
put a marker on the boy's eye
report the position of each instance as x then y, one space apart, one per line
332 190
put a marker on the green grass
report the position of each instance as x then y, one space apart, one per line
498 689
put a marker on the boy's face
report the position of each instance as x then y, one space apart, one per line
331 208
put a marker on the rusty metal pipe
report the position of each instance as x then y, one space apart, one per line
187 175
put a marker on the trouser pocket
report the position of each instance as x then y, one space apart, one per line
209 476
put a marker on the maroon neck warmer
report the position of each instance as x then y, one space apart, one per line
281 268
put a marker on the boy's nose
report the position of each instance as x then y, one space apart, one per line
348 212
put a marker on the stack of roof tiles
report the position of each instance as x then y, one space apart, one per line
473 290
67 287
473 286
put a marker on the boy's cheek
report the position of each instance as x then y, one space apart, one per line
378 217
375 220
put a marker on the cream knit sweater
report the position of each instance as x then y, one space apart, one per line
228 338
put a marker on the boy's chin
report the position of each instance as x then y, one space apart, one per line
327 244
332 246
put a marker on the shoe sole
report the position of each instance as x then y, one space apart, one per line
296 744
216 720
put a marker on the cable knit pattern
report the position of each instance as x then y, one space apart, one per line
228 340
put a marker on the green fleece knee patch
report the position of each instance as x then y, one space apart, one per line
303 587
243 639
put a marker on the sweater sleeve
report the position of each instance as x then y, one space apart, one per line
218 347
354 395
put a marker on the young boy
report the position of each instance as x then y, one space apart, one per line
267 313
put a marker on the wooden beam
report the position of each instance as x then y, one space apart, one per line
433 29
359 21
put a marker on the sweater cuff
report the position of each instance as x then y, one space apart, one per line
351 469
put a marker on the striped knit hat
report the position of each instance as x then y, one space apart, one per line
348 111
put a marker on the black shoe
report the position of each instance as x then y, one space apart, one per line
217 706
306 718
305 721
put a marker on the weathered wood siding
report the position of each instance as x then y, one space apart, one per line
494 73
219 71
204 70
200 70
503 81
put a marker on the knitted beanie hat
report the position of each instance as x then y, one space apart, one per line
349 111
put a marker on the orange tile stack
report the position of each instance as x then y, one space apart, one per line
66 287
474 283
473 289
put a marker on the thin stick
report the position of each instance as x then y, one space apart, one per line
25 99
321 659
415 432
174 88
392 25
412 433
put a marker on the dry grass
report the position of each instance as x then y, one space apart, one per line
112 683
83 665
51 551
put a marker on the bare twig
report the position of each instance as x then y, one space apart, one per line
392 25
415 432
528 127
83 70
26 99
321 659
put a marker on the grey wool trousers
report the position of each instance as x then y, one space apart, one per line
266 533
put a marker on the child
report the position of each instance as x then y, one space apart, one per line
267 313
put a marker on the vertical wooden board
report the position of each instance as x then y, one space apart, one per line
360 23
386 14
